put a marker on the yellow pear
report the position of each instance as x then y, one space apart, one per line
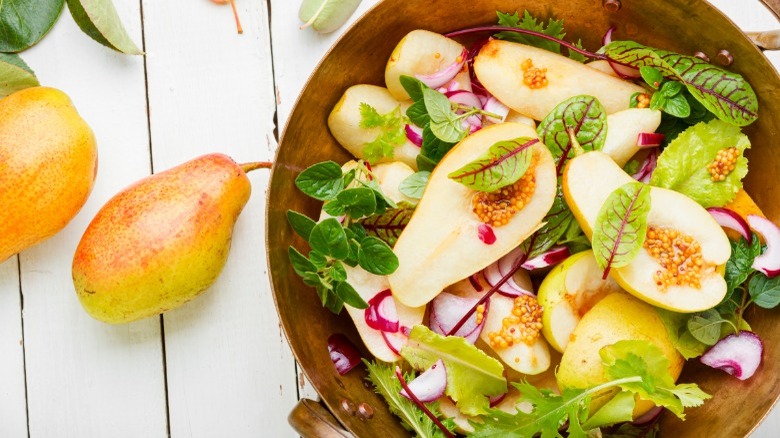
162 241
48 162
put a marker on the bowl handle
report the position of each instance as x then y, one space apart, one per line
768 40
313 420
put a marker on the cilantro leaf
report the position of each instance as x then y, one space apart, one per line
392 132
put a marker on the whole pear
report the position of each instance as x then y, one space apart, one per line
48 163
161 241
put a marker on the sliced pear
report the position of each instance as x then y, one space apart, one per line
569 291
498 67
602 66
344 122
441 245
419 52
516 117
623 129
587 182
390 176
615 318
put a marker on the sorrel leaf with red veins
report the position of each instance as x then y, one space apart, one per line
556 223
621 226
727 95
585 117
388 226
502 165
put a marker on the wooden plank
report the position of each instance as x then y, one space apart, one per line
13 397
230 371
86 378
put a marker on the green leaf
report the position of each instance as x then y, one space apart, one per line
670 88
392 132
337 272
23 22
358 201
349 295
433 148
554 28
621 226
502 165
322 181
617 410
418 114
376 257
424 163
99 20
301 224
328 237
325 16
413 186
683 165
413 86
651 76
15 75
764 291
705 326
556 223
585 117
725 94
299 262
334 208
388 226
445 124
740 263
677 328
472 375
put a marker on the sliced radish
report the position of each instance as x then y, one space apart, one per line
505 265
649 140
648 166
732 220
343 353
381 313
649 417
395 341
441 77
495 106
448 309
474 280
738 355
495 400
548 258
624 71
769 261
430 385
413 397
510 288
414 134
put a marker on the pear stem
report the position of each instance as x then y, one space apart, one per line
248 167
235 14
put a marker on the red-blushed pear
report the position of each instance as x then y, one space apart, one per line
442 244
162 241
48 163
568 292
690 232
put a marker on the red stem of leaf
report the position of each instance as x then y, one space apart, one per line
420 404
619 236
493 29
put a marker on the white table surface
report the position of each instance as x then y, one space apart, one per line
219 366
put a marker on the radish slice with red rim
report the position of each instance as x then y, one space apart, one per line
448 309
623 71
441 77
495 400
414 134
769 261
510 288
430 385
495 106
648 417
552 256
381 313
649 140
647 167
343 353
738 355
732 220
395 341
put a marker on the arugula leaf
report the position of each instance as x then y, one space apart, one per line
621 226
677 328
502 165
705 326
585 117
322 181
683 165
392 132
554 28
301 224
617 410
388 226
764 291
414 185
472 375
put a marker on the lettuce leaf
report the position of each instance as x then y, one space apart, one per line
472 375
683 164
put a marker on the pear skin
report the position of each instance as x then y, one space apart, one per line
160 242
48 163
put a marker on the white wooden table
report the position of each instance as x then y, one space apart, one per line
219 366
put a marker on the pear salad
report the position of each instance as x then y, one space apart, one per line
532 242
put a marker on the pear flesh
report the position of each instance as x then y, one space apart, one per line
623 129
48 158
160 242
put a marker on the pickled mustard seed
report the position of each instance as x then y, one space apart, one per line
498 208
533 77
523 325
678 254
724 163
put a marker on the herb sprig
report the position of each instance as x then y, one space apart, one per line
391 132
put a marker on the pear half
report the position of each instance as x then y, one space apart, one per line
587 182
623 129
441 244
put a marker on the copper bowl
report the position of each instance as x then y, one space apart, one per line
685 26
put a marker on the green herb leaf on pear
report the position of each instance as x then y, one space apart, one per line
740 264
376 257
391 134
621 226
322 181
300 263
433 148
23 22
444 124
325 16
301 224
502 165
618 409
414 185
358 201
328 237
556 224
15 75
100 21
584 117
388 226
472 375
764 291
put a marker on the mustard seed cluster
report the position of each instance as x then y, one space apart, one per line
643 100
523 325
723 163
498 208
532 76
480 313
678 254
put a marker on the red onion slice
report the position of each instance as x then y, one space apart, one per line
343 353
732 220
623 71
505 265
430 385
738 355
649 139
395 341
474 280
381 313
495 400
414 134
486 234
510 288
447 310
548 258
495 106
441 77
648 166
769 261
648 417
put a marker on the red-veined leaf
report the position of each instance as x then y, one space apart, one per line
502 165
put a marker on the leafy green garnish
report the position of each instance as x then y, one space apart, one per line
707 326
558 221
444 123
382 376
472 375
621 226
725 94
392 132
414 185
740 263
100 20
15 75
388 226
677 328
554 28
683 165
322 181
503 164
764 291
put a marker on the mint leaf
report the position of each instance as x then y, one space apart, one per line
740 264
423 162
444 124
651 76
677 328
705 326
502 165
299 262
413 186
322 181
358 202
328 237
376 257
301 224
764 291
621 226
418 114
433 148
392 132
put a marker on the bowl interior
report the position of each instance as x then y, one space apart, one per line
360 56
